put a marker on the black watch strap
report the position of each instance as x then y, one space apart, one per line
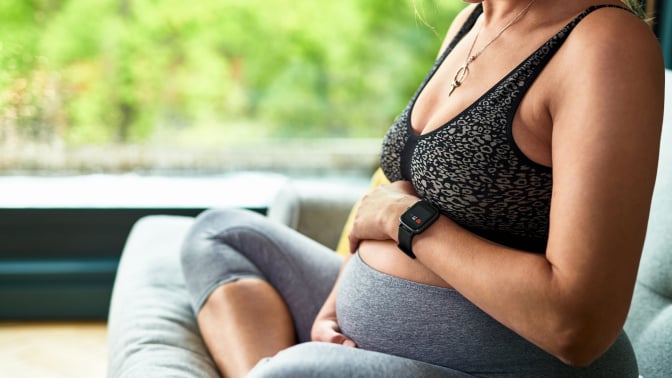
405 237
413 221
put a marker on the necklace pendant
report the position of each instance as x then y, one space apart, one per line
453 86
460 75
462 72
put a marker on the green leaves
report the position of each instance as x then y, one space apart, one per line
147 71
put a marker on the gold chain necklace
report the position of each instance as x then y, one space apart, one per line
462 72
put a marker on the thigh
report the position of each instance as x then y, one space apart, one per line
228 244
334 361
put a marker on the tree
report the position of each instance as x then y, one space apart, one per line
120 71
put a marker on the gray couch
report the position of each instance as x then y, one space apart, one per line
151 329
152 332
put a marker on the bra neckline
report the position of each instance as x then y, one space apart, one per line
478 10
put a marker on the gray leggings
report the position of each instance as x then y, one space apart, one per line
402 328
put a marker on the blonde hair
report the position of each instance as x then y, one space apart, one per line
638 8
419 15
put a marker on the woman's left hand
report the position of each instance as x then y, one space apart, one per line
378 214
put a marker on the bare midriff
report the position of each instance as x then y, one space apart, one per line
385 257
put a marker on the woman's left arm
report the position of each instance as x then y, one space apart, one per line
572 301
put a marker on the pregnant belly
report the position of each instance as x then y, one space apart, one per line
383 313
385 257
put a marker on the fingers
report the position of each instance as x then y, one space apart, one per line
339 338
325 332
354 242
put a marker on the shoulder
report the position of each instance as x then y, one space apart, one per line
611 53
611 42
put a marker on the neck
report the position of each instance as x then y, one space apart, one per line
499 12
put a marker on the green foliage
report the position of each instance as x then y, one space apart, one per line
105 71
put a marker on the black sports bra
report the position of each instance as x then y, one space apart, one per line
470 167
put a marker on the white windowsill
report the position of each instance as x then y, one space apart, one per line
135 191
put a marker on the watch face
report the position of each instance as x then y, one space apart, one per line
419 215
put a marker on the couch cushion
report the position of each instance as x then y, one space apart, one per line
151 328
649 322
656 264
317 209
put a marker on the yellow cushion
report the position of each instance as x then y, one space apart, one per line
343 247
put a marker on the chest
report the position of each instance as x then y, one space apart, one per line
438 103
471 167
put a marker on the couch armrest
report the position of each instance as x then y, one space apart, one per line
316 209
152 331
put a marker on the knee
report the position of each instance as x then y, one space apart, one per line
215 221
313 359
211 224
207 256
302 360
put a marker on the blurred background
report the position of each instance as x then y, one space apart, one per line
112 110
208 87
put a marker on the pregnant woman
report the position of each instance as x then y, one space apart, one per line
508 241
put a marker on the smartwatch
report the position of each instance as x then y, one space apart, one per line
413 221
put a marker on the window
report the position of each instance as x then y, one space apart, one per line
166 86
179 93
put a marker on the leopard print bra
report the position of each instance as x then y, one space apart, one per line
471 168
